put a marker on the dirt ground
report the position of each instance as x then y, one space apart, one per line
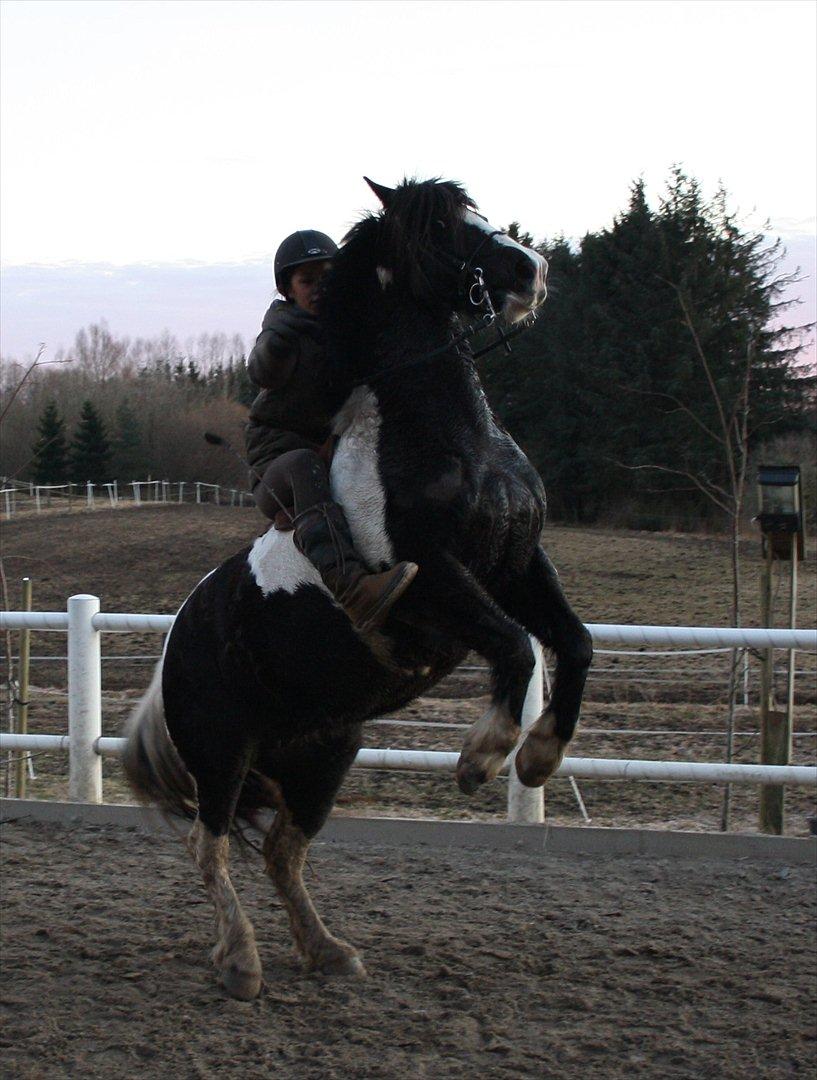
148 559
480 964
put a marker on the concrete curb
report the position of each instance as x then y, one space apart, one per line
460 835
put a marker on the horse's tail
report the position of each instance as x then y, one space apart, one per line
151 762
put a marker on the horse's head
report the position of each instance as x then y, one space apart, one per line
434 243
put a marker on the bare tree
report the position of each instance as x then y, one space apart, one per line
98 352
730 436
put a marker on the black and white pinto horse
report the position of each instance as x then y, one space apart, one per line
264 685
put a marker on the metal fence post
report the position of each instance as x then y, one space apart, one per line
528 804
84 700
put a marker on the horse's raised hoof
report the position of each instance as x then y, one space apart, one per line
486 746
540 755
240 983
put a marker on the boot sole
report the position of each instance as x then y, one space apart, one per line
377 617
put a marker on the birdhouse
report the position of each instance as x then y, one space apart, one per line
781 509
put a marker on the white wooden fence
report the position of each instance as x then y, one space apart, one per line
19 496
84 624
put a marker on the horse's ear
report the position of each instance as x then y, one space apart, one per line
383 193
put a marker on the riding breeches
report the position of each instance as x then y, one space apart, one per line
296 480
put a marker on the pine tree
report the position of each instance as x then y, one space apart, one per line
609 380
127 447
50 449
243 388
90 449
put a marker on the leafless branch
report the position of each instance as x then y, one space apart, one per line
707 487
681 408
38 362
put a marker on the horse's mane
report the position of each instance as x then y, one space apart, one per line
408 235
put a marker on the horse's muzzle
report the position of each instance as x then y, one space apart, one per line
529 293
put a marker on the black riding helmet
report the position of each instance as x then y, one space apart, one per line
301 247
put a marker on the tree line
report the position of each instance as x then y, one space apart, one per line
665 342
112 409
665 345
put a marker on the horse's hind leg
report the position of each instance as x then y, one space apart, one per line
304 797
537 601
235 955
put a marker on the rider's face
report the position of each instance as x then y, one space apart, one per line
304 284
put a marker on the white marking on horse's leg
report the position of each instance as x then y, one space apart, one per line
285 848
235 955
540 755
486 746
385 277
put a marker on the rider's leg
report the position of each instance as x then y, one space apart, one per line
299 479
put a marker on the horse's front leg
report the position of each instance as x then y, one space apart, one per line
537 601
448 595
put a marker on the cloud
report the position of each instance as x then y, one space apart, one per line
51 303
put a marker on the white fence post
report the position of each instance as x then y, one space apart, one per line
84 700
528 804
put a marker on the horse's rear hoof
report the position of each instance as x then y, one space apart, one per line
538 758
240 984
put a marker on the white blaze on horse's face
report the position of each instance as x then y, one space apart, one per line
527 275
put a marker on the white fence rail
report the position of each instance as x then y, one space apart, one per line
19 496
84 624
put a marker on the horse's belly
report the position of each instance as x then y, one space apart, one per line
355 478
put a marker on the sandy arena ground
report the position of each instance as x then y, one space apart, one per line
480 965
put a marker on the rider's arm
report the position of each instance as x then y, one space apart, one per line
278 346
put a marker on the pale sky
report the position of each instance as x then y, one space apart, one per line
204 131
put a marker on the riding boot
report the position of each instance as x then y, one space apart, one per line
322 535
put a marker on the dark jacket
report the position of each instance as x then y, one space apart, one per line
292 411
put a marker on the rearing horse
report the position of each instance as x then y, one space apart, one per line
264 685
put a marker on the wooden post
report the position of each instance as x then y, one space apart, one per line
775 726
84 700
21 764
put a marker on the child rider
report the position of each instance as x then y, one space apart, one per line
289 438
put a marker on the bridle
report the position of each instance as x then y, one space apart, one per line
475 288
